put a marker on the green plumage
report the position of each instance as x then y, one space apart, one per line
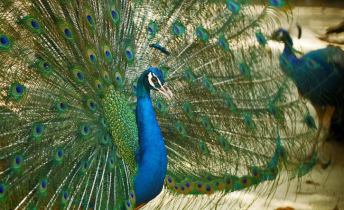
68 84
121 124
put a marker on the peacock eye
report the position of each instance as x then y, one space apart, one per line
154 80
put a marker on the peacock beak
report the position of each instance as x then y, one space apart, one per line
165 91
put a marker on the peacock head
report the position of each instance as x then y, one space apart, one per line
282 35
153 79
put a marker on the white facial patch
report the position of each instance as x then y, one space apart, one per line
150 76
162 89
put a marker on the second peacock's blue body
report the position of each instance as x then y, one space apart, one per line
85 121
318 75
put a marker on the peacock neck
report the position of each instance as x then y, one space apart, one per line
288 46
151 156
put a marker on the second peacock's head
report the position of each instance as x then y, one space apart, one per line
154 80
281 35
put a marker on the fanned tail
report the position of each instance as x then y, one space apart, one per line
235 120
58 60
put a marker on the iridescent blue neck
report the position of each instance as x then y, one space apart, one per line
288 48
151 157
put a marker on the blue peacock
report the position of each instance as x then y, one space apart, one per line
104 104
318 76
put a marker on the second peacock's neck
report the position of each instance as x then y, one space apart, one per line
288 48
151 156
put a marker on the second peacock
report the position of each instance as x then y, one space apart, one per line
104 104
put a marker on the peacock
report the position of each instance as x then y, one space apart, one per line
106 104
319 77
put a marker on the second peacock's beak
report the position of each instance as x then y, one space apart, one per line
165 91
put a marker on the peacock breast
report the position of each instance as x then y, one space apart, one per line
121 124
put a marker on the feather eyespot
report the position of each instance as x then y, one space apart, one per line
106 76
189 75
64 197
160 105
37 131
151 29
118 78
204 148
91 56
91 105
17 161
45 67
66 31
19 89
245 181
107 52
128 53
277 3
176 29
209 85
4 41
273 170
202 34
234 7
2 190
209 189
229 104
61 106
99 85
34 24
310 121
78 75
261 39
84 130
207 124
89 17
244 69
181 129
43 186
223 43
200 186
59 155
188 108
114 14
